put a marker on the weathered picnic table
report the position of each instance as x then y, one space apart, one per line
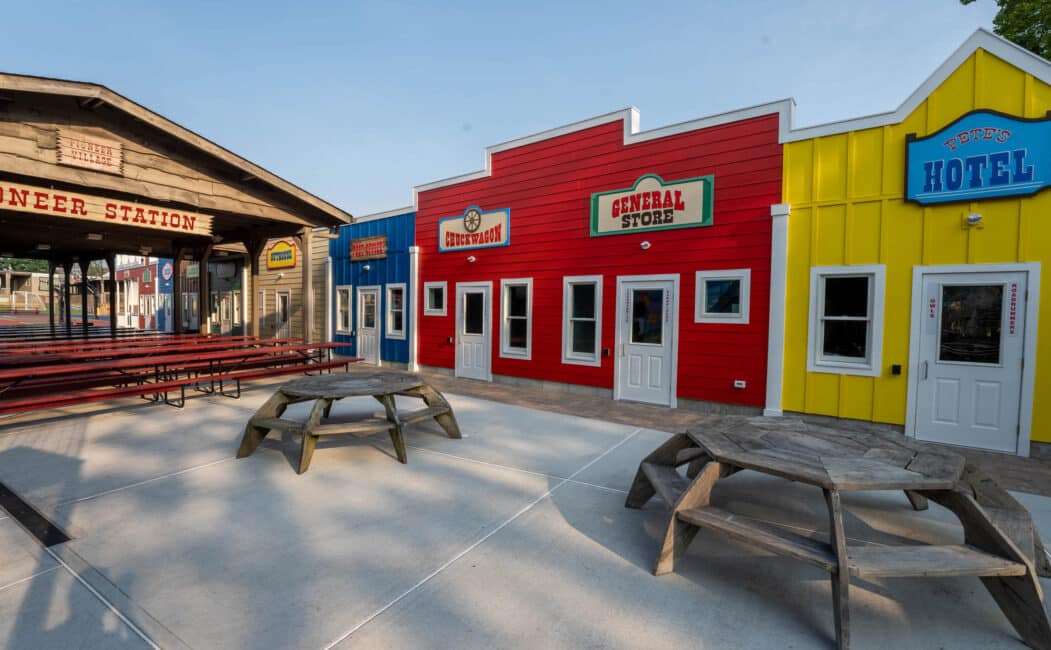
1001 545
323 390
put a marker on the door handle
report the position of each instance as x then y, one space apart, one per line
923 370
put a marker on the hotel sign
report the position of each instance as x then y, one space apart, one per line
281 255
653 204
368 248
475 229
71 205
89 152
982 155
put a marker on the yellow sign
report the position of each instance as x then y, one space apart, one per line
281 255
71 205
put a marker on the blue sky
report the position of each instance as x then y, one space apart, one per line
358 102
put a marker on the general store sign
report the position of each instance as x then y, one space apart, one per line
475 229
652 204
281 255
368 248
89 152
71 205
982 155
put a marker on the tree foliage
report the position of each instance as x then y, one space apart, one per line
16 264
1025 22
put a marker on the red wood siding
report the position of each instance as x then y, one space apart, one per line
548 185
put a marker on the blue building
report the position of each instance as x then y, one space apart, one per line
373 292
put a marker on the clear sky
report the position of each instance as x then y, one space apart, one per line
359 101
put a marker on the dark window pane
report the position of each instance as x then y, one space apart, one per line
847 296
846 338
398 321
516 300
646 309
583 297
971 318
473 317
436 298
722 296
518 327
395 298
583 337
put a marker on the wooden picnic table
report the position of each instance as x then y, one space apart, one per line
323 390
1001 545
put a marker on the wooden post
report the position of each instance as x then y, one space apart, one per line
177 291
67 269
304 238
204 310
84 294
51 294
111 262
255 249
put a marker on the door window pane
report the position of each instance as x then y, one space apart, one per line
970 323
647 321
722 296
473 313
368 310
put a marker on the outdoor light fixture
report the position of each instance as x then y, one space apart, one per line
43 247
94 236
471 259
645 245
366 268
145 250
974 219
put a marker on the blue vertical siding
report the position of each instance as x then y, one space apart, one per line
400 231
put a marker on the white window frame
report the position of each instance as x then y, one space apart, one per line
568 355
816 361
505 331
427 310
349 307
262 303
744 276
390 332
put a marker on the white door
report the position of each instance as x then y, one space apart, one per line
282 315
473 331
368 332
647 312
969 370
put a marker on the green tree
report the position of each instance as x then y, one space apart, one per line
1025 22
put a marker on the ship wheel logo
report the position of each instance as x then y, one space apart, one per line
472 219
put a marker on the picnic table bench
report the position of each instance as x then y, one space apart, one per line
324 390
1001 545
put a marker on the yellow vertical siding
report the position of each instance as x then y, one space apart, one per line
846 192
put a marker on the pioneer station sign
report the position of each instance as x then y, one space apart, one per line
89 152
652 204
71 205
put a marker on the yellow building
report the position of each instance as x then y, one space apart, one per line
910 248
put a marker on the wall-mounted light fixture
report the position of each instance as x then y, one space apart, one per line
471 259
972 220
645 245
366 268
43 247
94 236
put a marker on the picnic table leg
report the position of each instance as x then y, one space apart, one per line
254 435
446 420
679 534
641 489
309 438
395 428
841 576
918 501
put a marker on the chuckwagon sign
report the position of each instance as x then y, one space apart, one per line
984 154
58 203
475 229
89 152
368 248
652 204
281 255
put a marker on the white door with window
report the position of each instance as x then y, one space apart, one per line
473 331
368 332
969 369
282 315
647 314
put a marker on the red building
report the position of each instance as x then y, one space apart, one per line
597 255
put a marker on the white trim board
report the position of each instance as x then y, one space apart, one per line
784 108
376 216
1032 322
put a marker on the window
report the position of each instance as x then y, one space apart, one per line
343 294
722 296
515 336
262 304
434 298
396 311
846 319
582 320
